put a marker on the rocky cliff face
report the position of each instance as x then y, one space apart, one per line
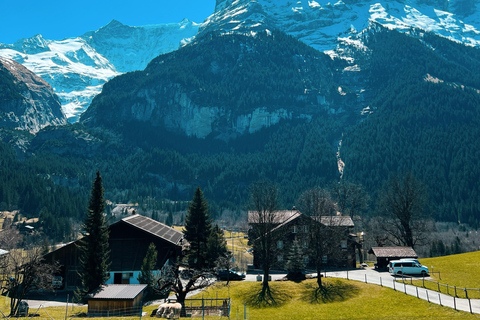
222 86
27 102
184 116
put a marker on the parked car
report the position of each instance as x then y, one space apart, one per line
411 259
400 267
229 275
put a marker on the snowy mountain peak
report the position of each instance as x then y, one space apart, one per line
320 23
78 67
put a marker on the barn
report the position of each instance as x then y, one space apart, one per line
129 239
116 300
386 254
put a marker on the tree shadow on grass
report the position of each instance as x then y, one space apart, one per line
330 291
267 297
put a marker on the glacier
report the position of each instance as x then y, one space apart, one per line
78 67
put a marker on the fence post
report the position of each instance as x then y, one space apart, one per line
426 291
439 299
423 280
417 292
454 303
466 293
66 309
394 285
470 304
438 284
366 278
455 291
347 275
448 293
381 285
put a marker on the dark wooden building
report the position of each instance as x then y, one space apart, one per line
129 240
116 300
386 254
292 225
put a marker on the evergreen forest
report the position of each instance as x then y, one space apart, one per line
423 92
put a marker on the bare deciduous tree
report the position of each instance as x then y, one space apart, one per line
402 205
23 271
326 232
264 202
351 198
171 280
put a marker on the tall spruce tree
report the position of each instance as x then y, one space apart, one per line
94 247
147 275
216 246
197 230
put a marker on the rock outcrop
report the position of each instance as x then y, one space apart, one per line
27 102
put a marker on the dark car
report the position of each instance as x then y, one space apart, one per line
229 275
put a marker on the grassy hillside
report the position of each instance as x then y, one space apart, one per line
353 300
459 270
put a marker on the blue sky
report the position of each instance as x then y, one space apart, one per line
59 19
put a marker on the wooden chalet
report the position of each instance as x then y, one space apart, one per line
386 254
291 225
129 239
116 300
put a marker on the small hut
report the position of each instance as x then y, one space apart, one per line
386 254
116 300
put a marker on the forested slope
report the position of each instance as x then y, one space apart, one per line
426 119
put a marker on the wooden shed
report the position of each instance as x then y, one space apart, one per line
116 300
386 254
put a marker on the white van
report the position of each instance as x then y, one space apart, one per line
399 267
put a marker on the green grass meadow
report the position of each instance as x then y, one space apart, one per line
342 299
346 300
459 270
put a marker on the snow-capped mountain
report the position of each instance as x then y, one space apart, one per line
78 67
320 23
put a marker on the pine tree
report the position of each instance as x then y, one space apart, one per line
169 220
147 275
197 230
94 247
216 246
295 264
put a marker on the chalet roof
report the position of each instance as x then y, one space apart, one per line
280 216
394 252
337 221
294 216
283 217
117 292
154 227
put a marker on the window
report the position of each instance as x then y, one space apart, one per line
324 259
294 229
305 244
280 258
280 244
305 229
343 243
